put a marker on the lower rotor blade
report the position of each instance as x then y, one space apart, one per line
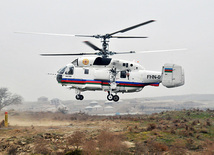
92 46
156 51
124 52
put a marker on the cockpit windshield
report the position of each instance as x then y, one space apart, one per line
62 70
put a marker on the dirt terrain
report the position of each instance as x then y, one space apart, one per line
186 131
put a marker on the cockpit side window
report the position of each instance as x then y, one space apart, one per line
70 71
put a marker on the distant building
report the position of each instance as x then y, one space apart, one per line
108 102
109 108
89 108
93 103
42 99
98 107
55 101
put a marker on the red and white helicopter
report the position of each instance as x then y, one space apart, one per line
103 73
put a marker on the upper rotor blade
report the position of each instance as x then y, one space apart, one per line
51 34
79 35
128 37
132 27
93 46
67 54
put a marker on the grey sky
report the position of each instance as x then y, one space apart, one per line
179 24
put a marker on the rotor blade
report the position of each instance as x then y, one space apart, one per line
132 27
92 46
130 52
157 51
51 34
79 35
127 37
66 54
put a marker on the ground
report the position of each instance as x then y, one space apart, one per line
186 131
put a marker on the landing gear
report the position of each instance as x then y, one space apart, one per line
116 98
79 97
111 97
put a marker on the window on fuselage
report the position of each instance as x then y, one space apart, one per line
102 61
86 71
123 74
75 62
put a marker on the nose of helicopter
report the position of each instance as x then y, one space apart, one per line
59 78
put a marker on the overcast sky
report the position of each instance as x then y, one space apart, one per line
179 24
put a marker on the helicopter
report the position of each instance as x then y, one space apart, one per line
101 72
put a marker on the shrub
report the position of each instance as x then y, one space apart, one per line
76 140
89 147
41 147
151 127
110 143
156 147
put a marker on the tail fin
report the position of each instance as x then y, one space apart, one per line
172 75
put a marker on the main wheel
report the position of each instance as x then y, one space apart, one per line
110 97
81 97
77 97
116 98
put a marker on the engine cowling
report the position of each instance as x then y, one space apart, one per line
172 75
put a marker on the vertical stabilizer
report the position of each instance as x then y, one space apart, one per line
172 75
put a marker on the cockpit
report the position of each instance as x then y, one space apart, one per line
62 70
67 70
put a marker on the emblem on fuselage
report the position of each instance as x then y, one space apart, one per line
85 61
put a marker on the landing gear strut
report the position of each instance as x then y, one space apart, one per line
111 97
79 96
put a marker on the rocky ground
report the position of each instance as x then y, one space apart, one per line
172 132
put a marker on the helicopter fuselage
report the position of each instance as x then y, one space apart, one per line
107 74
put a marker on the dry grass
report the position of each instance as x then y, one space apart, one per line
173 132
109 142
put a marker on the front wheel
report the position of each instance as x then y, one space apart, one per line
116 98
79 97
110 97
